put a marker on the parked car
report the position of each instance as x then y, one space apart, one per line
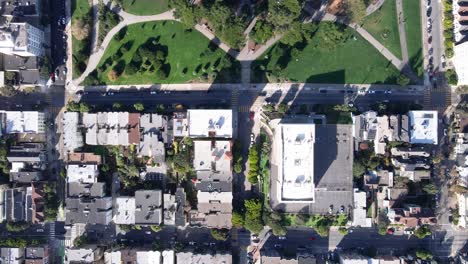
251 115
252 139
408 232
388 91
282 238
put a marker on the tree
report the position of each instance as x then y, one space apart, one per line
430 188
355 10
276 227
451 76
262 32
80 241
253 215
282 108
237 219
84 108
403 80
139 107
267 108
423 254
8 91
331 35
343 230
155 228
73 106
358 169
113 75
423 231
17 226
125 228
237 167
117 106
80 29
131 68
282 14
293 35
219 234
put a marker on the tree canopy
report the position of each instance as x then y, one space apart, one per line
253 215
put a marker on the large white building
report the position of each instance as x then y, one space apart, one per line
295 157
72 136
24 122
209 123
22 39
460 62
423 127
82 173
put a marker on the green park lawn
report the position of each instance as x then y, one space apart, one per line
190 56
145 7
411 10
383 25
80 10
354 61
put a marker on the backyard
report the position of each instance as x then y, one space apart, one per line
81 30
316 63
411 10
383 25
144 7
163 52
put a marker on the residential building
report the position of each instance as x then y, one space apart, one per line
25 70
135 256
415 175
24 204
83 158
153 136
423 127
21 8
88 210
463 210
12 255
24 122
355 258
375 179
170 209
82 173
273 257
112 128
37 255
21 173
212 163
380 129
314 167
32 154
360 210
86 255
143 209
192 258
204 123
22 39
72 135
411 216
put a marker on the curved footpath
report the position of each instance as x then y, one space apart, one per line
245 56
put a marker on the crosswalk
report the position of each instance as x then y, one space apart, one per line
235 99
244 108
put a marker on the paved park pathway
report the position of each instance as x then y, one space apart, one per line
402 31
245 55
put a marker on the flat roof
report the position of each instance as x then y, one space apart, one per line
24 122
72 137
209 123
148 257
124 210
295 144
82 173
423 127
212 155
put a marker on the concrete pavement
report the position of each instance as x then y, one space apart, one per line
402 31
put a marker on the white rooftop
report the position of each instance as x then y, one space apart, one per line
295 147
423 127
114 257
208 155
24 122
191 258
72 137
203 122
221 197
463 210
82 173
168 257
124 211
460 62
148 257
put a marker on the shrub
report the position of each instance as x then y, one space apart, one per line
220 234
113 75
80 29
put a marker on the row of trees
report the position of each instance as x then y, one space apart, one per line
107 20
448 28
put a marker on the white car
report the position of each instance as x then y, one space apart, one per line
153 92
408 232
148 232
252 139
282 238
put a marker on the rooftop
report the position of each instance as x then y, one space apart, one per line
24 122
112 128
295 143
89 210
423 127
84 173
212 155
191 258
72 136
209 123
124 211
148 205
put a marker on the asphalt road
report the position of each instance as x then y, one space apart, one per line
246 98
441 242
57 41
